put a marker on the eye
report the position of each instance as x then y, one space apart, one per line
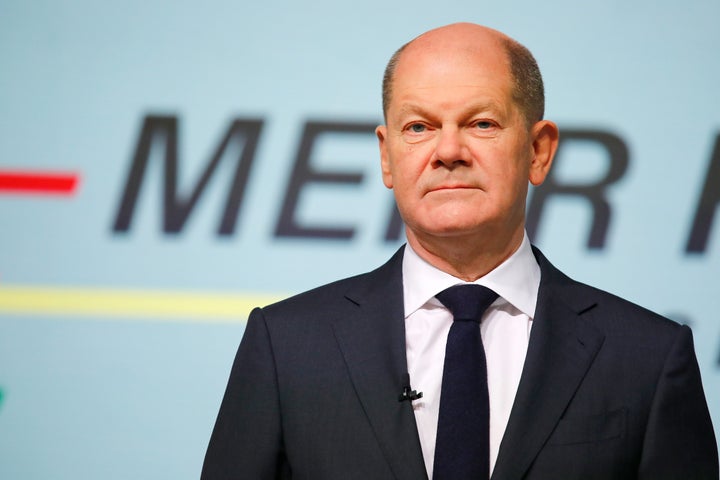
483 125
417 128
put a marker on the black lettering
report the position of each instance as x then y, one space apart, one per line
304 173
163 131
593 192
707 205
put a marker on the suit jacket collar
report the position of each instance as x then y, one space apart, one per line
372 340
563 344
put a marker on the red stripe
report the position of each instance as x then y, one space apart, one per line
40 183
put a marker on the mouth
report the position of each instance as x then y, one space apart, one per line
440 188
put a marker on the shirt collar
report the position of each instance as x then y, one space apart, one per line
516 280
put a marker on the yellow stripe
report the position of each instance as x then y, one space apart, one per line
107 303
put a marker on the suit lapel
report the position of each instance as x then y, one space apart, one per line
372 340
561 349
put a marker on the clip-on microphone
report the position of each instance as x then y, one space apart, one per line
408 393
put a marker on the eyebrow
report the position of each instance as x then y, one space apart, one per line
469 110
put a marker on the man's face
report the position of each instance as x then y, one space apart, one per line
456 149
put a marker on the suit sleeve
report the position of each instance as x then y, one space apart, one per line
679 440
247 438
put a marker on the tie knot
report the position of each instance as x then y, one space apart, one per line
467 302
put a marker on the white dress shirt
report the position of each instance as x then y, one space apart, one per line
505 331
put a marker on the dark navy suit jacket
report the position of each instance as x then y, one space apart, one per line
609 390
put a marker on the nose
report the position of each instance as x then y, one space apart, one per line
450 149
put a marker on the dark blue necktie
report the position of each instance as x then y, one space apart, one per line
462 448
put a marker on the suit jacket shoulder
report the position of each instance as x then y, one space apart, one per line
315 385
382 282
618 314
609 390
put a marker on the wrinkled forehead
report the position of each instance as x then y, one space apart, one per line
465 47
484 49
473 41
442 64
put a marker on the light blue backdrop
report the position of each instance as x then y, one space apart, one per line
117 396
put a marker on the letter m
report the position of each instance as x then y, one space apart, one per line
162 131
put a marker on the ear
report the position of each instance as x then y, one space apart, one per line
381 133
545 135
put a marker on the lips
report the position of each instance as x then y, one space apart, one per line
451 187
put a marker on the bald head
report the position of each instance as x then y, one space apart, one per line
473 40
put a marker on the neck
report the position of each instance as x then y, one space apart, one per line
465 258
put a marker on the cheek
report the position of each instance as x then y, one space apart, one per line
403 186
508 181
407 167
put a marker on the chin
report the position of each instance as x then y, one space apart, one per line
452 229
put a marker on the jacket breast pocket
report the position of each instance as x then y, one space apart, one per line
594 428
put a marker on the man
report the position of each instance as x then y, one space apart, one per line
581 384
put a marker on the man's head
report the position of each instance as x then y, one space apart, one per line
462 140
528 91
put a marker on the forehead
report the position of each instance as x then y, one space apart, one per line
452 72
